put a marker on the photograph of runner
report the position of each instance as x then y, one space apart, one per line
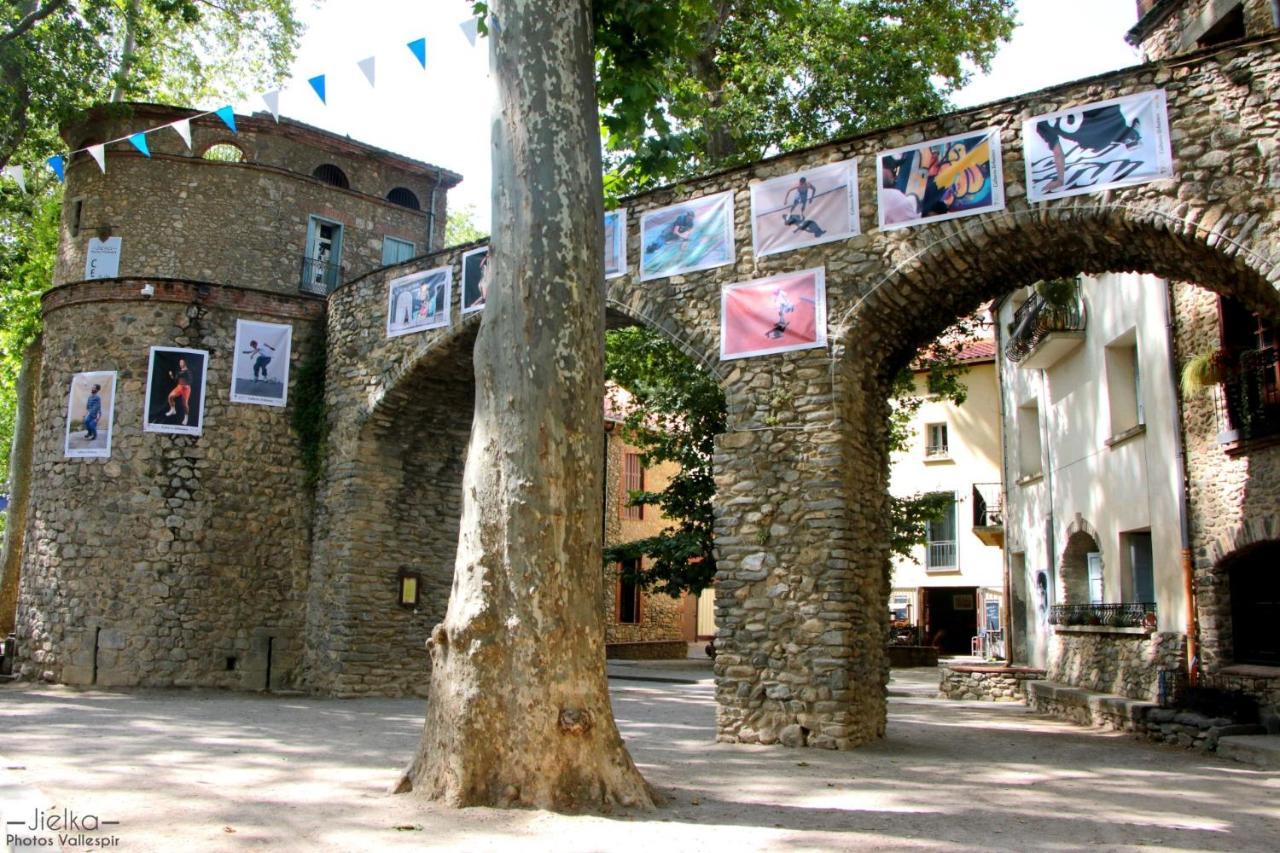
419 301
940 179
90 414
175 391
260 369
776 314
694 235
475 279
1093 147
804 209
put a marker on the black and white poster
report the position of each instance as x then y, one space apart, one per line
1094 147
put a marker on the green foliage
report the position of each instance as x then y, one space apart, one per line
1058 292
28 249
689 86
310 415
678 411
461 227
1203 371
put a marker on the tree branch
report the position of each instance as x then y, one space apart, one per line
33 17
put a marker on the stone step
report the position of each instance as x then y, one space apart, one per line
1258 750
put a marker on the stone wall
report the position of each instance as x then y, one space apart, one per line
1176 25
1107 661
179 560
181 216
986 683
1233 492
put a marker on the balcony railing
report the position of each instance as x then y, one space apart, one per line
988 505
935 450
1132 615
319 277
1249 397
941 555
1036 318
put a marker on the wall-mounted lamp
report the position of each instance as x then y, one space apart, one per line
148 290
104 231
407 594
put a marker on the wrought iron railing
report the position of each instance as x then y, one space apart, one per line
1036 318
988 505
935 450
320 277
1138 614
941 555
1249 397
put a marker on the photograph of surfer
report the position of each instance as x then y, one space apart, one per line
694 235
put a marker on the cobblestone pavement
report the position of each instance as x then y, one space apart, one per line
203 770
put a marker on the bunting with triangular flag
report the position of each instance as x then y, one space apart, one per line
272 100
183 128
471 29
139 141
419 49
58 163
228 116
317 84
19 176
366 65
99 155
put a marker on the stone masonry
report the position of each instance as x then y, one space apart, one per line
801 515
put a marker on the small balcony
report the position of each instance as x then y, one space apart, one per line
319 277
988 513
940 556
1137 614
1248 398
1046 329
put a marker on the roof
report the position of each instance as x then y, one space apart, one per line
617 403
972 352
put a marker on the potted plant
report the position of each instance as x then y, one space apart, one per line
1203 371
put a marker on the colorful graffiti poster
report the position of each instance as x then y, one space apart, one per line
475 279
615 243
418 302
91 406
941 179
777 314
175 391
1094 147
804 209
260 369
687 237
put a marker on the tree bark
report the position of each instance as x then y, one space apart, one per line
15 531
519 712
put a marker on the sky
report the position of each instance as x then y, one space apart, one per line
442 115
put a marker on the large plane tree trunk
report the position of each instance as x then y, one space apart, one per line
519 709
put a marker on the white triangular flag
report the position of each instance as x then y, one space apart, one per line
18 174
99 154
272 100
470 29
183 128
366 65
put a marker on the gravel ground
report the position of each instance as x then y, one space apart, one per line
195 770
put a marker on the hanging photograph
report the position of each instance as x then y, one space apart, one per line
91 406
418 302
615 243
1098 146
475 279
175 391
940 179
260 370
695 235
777 314
804 209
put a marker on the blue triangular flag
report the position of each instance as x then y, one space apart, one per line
56 162
317 83
139 141
419 48
228 117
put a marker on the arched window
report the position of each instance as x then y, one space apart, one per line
224 152
331 175
404 198
1082 578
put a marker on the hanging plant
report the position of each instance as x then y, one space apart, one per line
1058 292
1203 371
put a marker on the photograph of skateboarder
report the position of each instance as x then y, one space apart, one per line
260 369
805 208
772 315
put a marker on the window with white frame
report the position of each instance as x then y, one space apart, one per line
935 439
940 539
1096 585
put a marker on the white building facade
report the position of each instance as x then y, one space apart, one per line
1095 513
